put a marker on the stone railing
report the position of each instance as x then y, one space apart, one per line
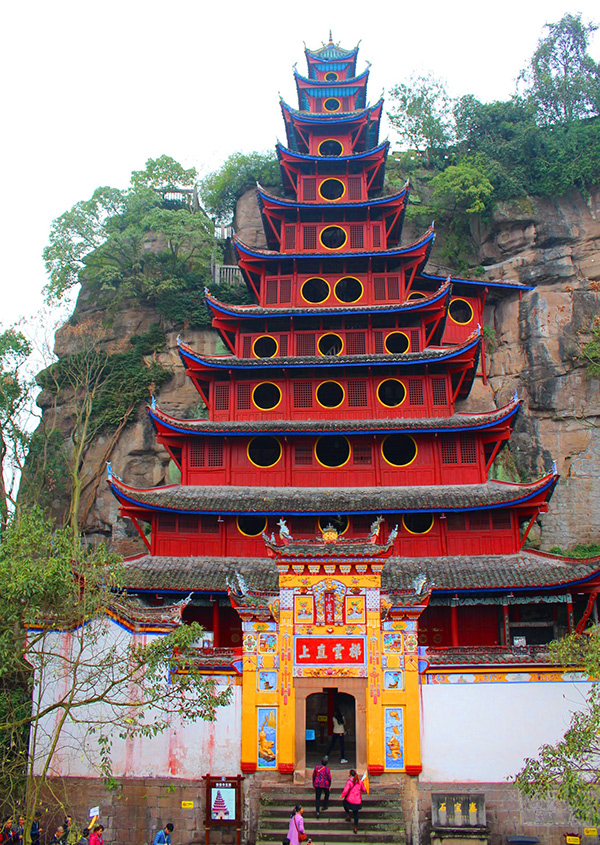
226 273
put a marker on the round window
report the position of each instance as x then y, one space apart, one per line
265 347
331 76
330 394
266 396
340 522
333 237
399 450
416 294
251 526
332 451
418 523
332 104
315 290
332 189
330 147
460 311
264 451
348 289
396 343
330 344
391 393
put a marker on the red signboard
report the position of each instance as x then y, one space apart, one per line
329 608
316 651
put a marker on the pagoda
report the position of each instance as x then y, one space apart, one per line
335 522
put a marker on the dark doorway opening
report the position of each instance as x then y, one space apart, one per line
320 708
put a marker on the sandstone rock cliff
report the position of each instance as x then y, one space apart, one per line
533 345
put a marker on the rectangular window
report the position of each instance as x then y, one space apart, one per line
309 241
167 522
243 397
501 520
285 290
271 291
303 394
393 287
439 392
305 344
197 451
415 340
362 454
215 453
415 391
355 187
357 394
379 289
310 188
303 454
222 396
209 524
188 524
378 343
376 236
357 237
356 343
456 522
283 345
290 237
479 521
247 347
449 450
468 449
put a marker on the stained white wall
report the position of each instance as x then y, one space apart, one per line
483 732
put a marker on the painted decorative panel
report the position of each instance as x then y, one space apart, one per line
267 738
393 679
303 610
394 738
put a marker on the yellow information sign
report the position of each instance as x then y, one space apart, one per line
187 805
573 840
590 831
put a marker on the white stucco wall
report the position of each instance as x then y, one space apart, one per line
483 731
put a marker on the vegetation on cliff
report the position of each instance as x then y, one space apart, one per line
222 189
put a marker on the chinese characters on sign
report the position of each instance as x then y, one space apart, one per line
330 650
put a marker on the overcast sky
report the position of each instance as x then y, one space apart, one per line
91 90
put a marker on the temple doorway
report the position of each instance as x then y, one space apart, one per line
320 710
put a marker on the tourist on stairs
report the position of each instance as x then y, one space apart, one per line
352 797
339 732
296 832
322 783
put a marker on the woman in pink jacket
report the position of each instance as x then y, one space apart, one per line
352 796
296 826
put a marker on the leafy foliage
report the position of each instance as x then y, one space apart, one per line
561 79
462 187
422 114
591 351
221 190
581 550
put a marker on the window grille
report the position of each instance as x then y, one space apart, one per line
209 524
393 287
479 521
167 522
501 520
283 345
243 397
357 237
376 236
303 454
310 238
457 522
271 291
222 396
468 449
362 454
415 340
197 454
285 290
310 189
449 451
305 344
303 394
379 350
215 453
355 187
356 343
415 391
290 237
439 392
188 524
247 347
379 288
357 394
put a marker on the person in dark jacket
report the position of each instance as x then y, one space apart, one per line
321 781
36 829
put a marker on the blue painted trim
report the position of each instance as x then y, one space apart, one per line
354 157
343 117
329 205
391 253
476 283
323 82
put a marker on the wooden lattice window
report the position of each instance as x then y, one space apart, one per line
290 237
456 522
501 520
271 291
222 396
243 397
449 451
376 236
283 345
215 453
188 524
310 188
415 340
303 454
379 349
247 347
357 394
356 343
393 287
167 522
468 449
309 236
362 454
305 344
439 392
209 524
379 292
197 454
303 394
357 237
285 290
355 187
479 521
415 391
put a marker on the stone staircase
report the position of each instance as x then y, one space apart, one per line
380 819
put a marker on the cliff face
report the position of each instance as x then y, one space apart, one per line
533 346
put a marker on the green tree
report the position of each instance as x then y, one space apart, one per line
164 172
221 189
51 584
422 114
569 770
462 187
562 79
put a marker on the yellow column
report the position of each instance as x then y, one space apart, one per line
375 726
286 734
412 711
249 722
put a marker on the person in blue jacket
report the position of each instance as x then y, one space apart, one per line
163 837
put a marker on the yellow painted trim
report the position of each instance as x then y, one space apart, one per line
258 533
419 533
399 465
335 334
310 279
362 290
396 331
332 111
255 341
416 294
338 466
329 407
274 406
337 140
399 382
264 466
337 76
459 322
322 527
334 248
332 179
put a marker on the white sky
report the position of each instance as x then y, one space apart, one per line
91 90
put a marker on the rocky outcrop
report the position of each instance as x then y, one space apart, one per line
534 345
